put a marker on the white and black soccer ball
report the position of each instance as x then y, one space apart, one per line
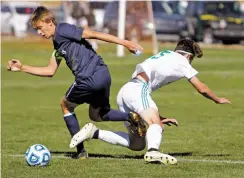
37 155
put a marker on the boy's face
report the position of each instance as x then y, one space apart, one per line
45 29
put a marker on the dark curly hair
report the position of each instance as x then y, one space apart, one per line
189 46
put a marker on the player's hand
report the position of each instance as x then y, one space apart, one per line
170 121
132 47
223 101
14 65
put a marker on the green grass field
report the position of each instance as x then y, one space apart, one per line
209 141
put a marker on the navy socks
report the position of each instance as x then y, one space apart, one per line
73 127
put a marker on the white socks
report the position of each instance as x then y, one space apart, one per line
115 138
154 136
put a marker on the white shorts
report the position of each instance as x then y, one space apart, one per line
135 96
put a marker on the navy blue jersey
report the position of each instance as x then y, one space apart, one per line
77 52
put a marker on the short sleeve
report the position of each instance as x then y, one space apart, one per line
71 32
57 55
188 71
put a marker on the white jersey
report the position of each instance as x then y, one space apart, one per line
164 68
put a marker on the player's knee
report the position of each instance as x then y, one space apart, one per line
67 106
94 114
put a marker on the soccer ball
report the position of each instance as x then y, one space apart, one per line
37 155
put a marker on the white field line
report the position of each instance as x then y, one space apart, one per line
179 159
212 161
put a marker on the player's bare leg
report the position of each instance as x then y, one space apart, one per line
154 137
73 125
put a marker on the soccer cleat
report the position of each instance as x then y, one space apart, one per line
156 156
138 123
85 133
81 155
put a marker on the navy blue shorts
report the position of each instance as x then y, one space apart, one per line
94 90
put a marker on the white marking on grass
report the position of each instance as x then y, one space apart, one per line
212 161
110 158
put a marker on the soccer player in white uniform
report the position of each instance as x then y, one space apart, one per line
150 75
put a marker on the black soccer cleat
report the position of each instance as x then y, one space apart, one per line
137 122
81 155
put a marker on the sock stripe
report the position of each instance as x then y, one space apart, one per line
69 114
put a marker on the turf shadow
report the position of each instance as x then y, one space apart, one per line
215 155
119 156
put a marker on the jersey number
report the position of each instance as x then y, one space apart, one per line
160 54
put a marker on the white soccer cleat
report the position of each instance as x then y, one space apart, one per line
85 133
156 156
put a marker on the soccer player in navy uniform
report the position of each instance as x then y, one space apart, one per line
92 78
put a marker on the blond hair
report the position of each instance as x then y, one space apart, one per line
41 14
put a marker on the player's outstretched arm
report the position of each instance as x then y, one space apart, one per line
90 34
206 92
48 71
